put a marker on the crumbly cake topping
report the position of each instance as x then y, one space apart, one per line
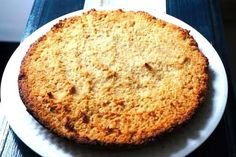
113 77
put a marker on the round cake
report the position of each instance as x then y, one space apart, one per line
113 78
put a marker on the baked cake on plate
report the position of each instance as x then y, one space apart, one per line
113 77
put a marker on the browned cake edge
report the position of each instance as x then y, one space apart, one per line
29 103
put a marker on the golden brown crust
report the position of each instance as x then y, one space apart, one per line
113 77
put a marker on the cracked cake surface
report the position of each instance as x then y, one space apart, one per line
113 77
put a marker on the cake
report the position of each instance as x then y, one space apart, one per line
113 78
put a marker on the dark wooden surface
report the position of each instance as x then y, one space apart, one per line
203 15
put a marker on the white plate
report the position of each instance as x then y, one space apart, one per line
179 143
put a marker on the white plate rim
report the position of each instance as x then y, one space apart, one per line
7 83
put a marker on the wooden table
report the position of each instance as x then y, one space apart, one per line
203 15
